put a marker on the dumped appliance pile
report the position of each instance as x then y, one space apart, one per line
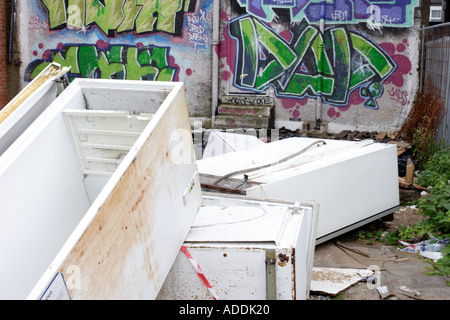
117 207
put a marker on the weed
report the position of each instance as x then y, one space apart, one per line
435 207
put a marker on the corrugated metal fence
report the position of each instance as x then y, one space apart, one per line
435 66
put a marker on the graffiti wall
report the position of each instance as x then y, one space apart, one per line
360 58
122 39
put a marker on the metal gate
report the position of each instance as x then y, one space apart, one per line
435 67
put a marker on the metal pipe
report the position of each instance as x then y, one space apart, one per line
319 97
247 170
11 30
215 62
442 130
435 26
422 53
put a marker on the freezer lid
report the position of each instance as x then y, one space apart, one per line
268 157
239 223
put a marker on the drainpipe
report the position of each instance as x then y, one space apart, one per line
319 98
215 62
3 77
11 30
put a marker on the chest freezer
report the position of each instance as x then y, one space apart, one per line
354 182
26 106
94 196
246 248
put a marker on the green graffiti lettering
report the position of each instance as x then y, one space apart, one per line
330 64
56 12
136 71
141 16
130 12
117 62
109 69
274 44
145 20
68 58
342 58
75 14
301 84
107 17
372 53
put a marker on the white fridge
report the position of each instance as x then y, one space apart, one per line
95 198
354 182
245 249
29 103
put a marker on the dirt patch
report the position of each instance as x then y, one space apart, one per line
405 216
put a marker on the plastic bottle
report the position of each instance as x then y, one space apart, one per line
432 247
370 279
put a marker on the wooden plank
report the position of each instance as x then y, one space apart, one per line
381 136
343 134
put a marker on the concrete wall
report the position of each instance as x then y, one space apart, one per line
150 40
362 64
358 71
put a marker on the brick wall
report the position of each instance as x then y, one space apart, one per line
3 57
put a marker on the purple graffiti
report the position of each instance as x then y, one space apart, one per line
397 13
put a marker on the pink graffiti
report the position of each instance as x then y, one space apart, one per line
294 105
332 113
102 45
226 75
354 99
226 48
241 111
286 35
173 64
399 96
403 63
35 24
46 55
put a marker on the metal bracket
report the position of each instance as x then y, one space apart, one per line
270 274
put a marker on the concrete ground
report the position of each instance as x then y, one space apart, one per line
397 271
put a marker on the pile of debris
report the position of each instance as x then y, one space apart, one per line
355 135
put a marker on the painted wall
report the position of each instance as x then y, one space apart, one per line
362 64
122 39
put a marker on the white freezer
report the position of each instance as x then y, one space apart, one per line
94 196
29 103
247 249
354 182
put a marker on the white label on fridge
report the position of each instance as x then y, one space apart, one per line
57 289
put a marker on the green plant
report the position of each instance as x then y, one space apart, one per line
436 171
435 207
424 146
441 266
378 235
